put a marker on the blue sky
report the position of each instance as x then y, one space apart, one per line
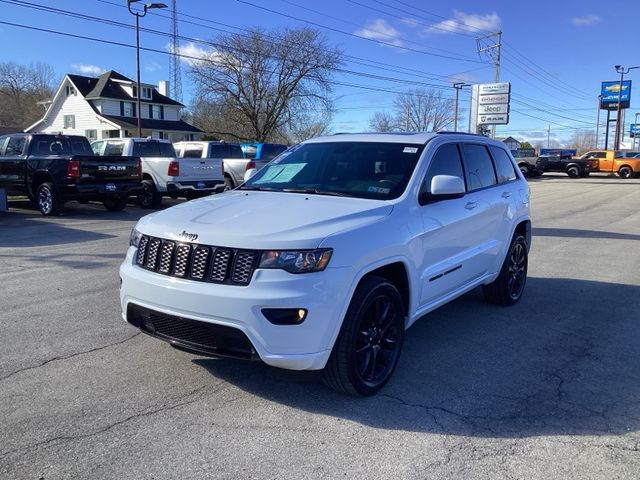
555 53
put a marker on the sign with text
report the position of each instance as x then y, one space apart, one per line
502 119
494 88
612 92
494 99
635 130
486 109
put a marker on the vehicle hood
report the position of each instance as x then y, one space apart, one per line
263 220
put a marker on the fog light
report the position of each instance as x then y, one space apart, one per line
285 316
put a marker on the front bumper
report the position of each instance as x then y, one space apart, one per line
305 346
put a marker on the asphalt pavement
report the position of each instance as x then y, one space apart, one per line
546 389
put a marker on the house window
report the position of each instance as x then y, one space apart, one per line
146 92
127 109
69 121
91 134
70 90
157 112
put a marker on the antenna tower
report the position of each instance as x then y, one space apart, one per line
174 68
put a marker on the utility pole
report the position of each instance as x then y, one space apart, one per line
490 45
458 86
174 66
548 135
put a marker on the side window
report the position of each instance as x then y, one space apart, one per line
446 161
504 166
600 155
193 150
179 148
478 166
3 144
15 145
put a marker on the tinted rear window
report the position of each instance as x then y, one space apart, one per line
225 151
61 146
153 149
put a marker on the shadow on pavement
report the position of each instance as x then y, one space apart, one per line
576 233
564 361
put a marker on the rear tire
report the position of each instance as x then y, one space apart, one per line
228 183
115 203
508 287
625 172
525 169
368 347
47 199
573 172
150 197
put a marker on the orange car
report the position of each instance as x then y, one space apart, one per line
613 161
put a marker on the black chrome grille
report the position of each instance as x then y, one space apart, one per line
201 337
202 263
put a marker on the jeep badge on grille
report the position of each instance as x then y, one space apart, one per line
188 236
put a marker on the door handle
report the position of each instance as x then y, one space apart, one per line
471 205
506 194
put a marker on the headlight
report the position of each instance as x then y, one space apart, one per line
134 239
300 261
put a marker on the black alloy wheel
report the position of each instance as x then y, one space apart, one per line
369 344
508 287
149 198
573 172
625 172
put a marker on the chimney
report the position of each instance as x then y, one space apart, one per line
163 87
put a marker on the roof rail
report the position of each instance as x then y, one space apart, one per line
446 132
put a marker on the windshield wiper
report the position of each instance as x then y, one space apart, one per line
258 189
316 192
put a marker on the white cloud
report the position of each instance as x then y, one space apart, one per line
153 67
381 30
463 77
586 20
92 70
467 22
191 53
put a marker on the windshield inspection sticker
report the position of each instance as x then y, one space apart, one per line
410 150
381 190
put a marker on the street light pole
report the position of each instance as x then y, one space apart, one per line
138 15
621 70
458 86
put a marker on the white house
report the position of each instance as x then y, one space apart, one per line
105 107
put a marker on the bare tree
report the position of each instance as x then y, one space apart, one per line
267 83
422 110
21 88
583 140
382 122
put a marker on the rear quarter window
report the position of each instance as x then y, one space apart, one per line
504 166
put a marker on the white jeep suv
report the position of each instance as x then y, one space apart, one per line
329 253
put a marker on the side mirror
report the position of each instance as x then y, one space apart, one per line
444 187
249 173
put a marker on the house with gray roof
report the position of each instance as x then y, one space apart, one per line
105 107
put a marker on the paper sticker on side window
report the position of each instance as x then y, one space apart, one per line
410 150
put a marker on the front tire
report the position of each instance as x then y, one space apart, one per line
508 287
150 197
48 200
115 203
368 347
625 172
525 169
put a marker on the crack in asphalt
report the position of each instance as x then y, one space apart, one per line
66 357
160 409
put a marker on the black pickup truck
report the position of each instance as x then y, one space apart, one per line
574 167
53 169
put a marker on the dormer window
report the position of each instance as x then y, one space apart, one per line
146 92
70 90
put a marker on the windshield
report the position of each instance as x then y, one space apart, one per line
358 169
153 149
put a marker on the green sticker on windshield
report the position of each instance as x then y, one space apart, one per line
280 173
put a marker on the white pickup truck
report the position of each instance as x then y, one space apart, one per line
163 174
230 157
